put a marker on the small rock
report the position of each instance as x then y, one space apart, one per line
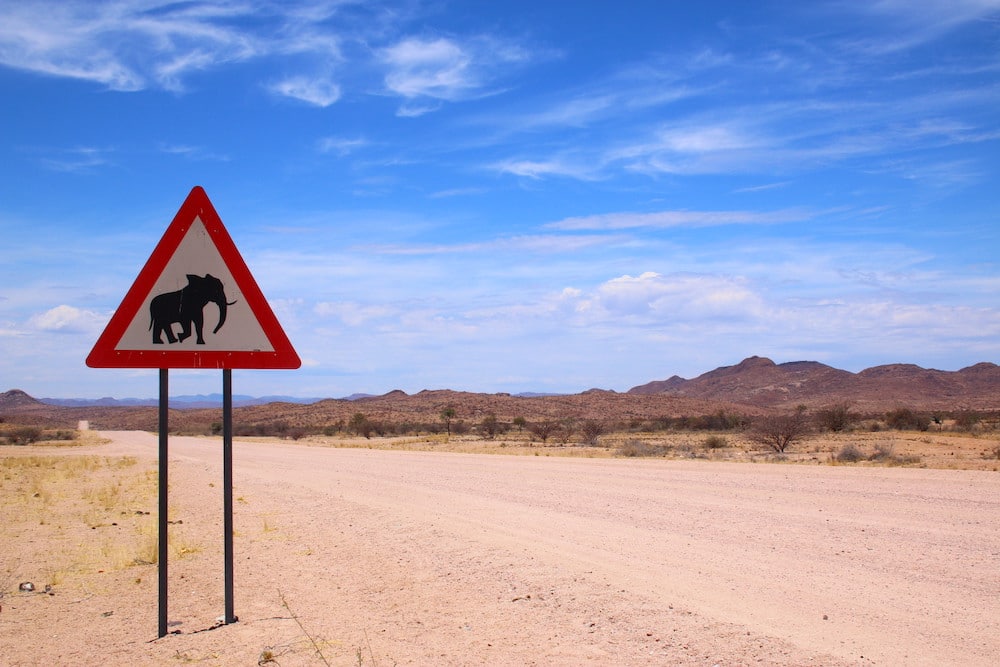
26 587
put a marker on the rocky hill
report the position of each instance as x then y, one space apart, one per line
760 382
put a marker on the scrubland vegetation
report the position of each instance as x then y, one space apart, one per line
834 434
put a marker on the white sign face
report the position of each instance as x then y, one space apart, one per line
183 310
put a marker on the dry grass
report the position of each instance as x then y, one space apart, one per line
75 515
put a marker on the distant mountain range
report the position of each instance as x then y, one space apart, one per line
189 401
754 385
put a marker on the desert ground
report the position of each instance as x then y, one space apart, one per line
387 556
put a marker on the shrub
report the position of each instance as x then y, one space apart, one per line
23 435
883 451
835 417
633 447
904 419
849 453
967 420
715 442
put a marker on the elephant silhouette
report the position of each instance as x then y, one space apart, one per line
186 307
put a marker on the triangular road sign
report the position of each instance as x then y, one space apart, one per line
194 305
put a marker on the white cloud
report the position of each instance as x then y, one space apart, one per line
536 169
193 152
681 297
664 219
134 44
915 23
122 45
79 159
428 71
67 319
352 313
437 68
320 92
340 145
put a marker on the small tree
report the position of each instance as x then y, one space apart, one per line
592 430
566 429
446 416
520 423
361 425
490 426
779 431
543 429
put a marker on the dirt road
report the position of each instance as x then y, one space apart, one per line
361 556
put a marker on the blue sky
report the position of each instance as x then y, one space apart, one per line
510 196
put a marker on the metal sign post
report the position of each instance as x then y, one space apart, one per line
161 559
227 488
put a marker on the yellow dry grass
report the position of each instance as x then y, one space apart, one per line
73 515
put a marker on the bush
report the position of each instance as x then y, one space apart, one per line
633 447
904 419
715 442
849 453
967 421
883 451
835 418
23 435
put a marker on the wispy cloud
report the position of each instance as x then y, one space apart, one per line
912 24
318 91
79 159
196 153
663 219
764 187
341 145
528 243
555 166
427 71
125 46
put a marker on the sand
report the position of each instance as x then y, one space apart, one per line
357 556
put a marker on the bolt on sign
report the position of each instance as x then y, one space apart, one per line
194 305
